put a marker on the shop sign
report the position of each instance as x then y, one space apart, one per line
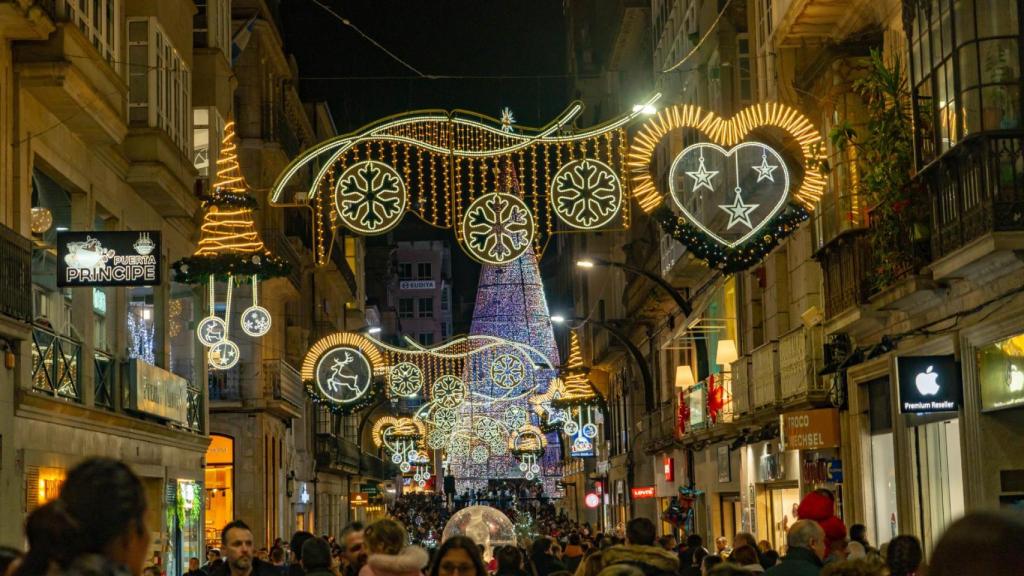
810 429
670 472
928 384
369 489
303 494
696 401
1001 374
835 471
358 499
157 392
592 500
108 258
642 492
416 285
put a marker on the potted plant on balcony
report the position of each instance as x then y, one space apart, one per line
899 226
997 110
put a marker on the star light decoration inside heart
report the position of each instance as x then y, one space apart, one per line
732 194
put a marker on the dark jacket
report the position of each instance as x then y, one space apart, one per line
96 565
259 568
546 564
652 560
798 562
295 569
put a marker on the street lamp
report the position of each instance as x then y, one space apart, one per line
638 356
681 301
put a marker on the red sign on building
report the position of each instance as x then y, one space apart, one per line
670 469
641 492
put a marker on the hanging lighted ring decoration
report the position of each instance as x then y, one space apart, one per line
230 250
734 196
401 438
527 444
580 402
455 170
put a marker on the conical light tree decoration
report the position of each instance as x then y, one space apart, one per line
579 400
230 249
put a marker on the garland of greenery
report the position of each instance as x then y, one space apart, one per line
730 260
198 269
230 200
371 395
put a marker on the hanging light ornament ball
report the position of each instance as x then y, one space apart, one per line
229 249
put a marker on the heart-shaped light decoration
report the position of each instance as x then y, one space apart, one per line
724 133
729 194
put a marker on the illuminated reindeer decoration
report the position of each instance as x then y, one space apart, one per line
338 380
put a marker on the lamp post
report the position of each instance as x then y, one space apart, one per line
681 301
638 357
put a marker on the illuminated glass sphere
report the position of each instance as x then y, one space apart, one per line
485 525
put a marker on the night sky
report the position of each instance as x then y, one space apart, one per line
502 53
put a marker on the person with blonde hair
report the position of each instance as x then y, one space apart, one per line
389 551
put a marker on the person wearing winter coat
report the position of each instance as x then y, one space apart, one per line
805 550
640 552
388 551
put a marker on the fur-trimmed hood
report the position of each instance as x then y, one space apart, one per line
409 562
651 559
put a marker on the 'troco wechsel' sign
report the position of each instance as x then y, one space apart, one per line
810 429
108 258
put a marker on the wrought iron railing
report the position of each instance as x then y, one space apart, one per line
975 189
279 244
845 265
55 362
16 272
800 360
764 374
283 382
104 373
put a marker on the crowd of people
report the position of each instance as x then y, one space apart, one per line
82 534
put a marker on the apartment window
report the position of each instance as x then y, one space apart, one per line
965 69
405 308
159 83
424 271
97 19
141 324
426 338
211 25
444 330
426 308
746 90
765 53
207 127
405 271
445 297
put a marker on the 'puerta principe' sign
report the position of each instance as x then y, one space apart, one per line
108 258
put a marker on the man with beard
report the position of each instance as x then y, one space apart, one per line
239 553
352 549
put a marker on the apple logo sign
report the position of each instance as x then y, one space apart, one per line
1016 380
928 382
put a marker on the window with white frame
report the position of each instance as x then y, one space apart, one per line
211 25
207 127
159 83
97 19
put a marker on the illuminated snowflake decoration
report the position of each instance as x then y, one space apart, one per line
459 446
479 454
489 430
445 418
507 371
515 416
497 228
404 380
256 321
507 120
437 439
589 430
448 391
370 197
586 193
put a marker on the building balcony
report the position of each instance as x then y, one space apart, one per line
282 246
661 428
372 467
16 270
69 77
55 365
765 378
160 173
977 196
336 454
741 389
800 359
225 386
283 391
26 20
799 23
